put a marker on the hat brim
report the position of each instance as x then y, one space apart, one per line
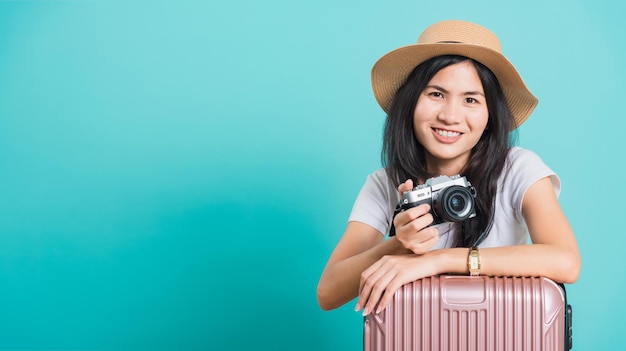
391 71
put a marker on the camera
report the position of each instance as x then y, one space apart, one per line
451 199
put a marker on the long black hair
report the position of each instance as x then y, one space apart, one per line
404 157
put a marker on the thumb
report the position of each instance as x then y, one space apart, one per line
406 186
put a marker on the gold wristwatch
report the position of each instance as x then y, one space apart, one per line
473 262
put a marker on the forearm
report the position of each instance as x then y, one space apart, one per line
558 263
340 281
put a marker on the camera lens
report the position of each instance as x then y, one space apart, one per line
454 204
457 203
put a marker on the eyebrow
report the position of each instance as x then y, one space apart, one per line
445 91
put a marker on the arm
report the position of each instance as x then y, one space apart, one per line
360 246
553 254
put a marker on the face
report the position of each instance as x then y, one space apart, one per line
450 117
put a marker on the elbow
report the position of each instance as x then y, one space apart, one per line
571 268
324 305
324 297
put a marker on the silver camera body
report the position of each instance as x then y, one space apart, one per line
451 199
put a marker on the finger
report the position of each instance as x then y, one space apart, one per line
430 241
417 211
417 239
369 271
391 290
414 230
365 277
419 223
380 288
368 282
405 217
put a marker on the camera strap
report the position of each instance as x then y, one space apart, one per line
392 230
484 234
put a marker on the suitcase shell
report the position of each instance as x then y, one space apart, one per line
473 313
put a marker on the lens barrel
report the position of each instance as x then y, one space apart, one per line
454 204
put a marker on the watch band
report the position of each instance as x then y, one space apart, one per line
473 262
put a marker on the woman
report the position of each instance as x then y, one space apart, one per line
452 101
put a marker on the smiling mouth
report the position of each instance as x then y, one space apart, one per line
446 133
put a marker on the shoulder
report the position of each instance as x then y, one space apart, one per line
379 176
376 201
526 166
379 173
523 169
519 155
379 182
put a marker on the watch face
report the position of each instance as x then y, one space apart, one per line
473 262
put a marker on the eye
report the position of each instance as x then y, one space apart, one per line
436 94
471 100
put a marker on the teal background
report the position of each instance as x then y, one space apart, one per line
174 174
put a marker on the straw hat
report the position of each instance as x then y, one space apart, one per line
453 38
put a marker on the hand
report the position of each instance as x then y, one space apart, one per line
381 280
412 226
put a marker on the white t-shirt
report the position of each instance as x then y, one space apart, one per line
378 198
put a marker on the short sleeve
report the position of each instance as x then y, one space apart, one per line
524 169
375 203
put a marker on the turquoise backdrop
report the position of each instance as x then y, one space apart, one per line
174 174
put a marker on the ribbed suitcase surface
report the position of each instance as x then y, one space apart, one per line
471 314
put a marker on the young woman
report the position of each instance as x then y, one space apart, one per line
452 101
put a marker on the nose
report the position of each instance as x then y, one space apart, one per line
450 112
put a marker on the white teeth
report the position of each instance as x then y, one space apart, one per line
447 133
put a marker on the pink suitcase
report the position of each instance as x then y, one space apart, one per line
473 314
